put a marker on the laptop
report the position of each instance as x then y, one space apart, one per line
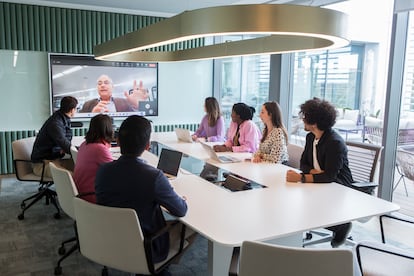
183 135
220 158
169 162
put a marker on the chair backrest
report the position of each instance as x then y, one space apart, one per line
74 153
405 160
259 258
295 153
111 236
65 188
363 160
22 151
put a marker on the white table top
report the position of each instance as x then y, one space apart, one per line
282 209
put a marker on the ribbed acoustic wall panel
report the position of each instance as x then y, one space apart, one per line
167 128
62 30
6 152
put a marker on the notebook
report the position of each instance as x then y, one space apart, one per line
169 162
183 135
220 158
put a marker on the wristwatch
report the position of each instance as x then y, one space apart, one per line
303 178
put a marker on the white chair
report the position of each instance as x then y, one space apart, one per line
113 237
22 150
74 153
295 153
375 258
258 258
66 191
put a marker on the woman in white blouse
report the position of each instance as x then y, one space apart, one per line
273 146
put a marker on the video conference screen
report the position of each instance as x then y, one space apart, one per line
119 89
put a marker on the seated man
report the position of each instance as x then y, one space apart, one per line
54 139
325 157
130 182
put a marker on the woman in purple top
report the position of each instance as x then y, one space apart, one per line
243 134
91 154
212 125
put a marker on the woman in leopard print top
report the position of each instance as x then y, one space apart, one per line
273 146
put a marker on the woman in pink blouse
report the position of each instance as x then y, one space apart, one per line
243 134
91 154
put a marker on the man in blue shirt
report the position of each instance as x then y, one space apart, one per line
130 182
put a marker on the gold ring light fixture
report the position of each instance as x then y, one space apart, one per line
280 29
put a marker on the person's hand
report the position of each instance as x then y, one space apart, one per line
292 176
139 93
194 137
221 148
257 159
102 106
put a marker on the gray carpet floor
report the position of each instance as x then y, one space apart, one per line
30 246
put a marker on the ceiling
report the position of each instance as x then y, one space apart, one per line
163 8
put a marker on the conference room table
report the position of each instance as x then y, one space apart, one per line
278 213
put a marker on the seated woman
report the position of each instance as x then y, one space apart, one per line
91 154
243 134
212 125
273 146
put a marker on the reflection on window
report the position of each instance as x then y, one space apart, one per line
243 79
333 75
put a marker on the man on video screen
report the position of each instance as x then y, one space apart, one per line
107 103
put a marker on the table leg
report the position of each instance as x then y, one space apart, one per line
219 257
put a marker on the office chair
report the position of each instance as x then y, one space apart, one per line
112 237
22 150
74 153
363 160
295 153
66 190
405 167
258 258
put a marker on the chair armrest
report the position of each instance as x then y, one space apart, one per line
394 216
234 264
366 187
148 244
16 161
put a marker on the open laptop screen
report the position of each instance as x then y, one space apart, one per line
169 161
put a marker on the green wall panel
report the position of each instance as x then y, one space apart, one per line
61 30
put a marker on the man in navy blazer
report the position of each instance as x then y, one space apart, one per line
132 183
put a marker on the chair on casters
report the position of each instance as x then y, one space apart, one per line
363 160
258 258
22 150
66 191
112 237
